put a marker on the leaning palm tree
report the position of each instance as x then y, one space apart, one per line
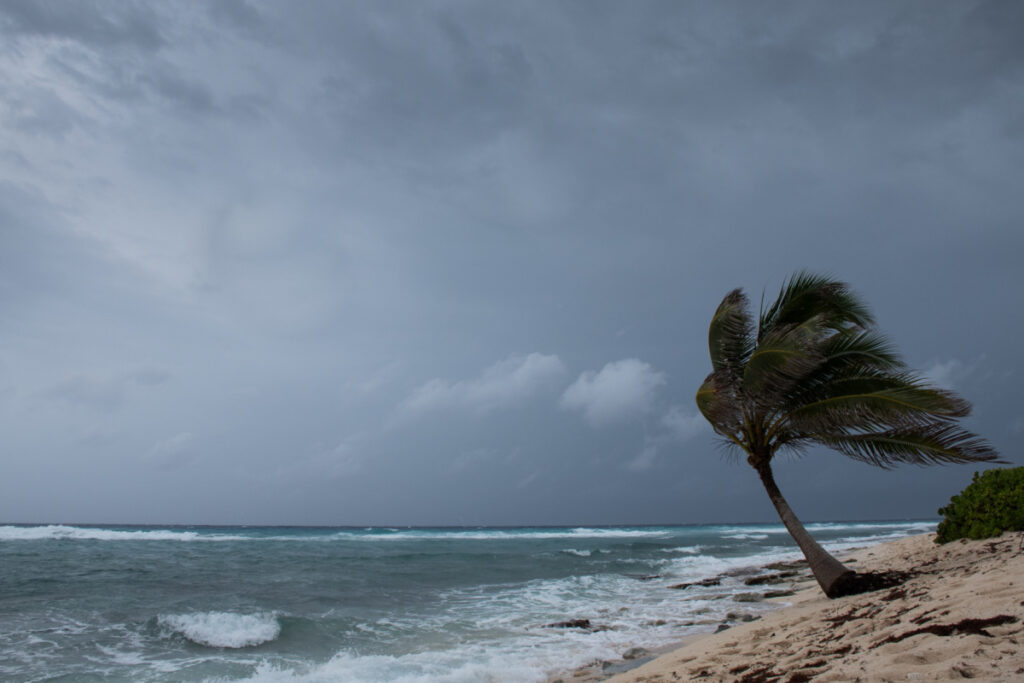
816 372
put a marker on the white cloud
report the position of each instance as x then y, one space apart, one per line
947 374
942 373
620 390
505 382
675 426
682 426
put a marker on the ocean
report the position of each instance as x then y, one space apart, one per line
125 603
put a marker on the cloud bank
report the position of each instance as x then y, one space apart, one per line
325 226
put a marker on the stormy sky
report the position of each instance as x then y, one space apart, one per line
453 262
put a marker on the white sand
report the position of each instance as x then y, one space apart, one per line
883 635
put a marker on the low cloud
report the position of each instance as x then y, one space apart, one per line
948 374
674 427
681 425
506 382
619 391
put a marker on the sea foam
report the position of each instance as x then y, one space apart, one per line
76 533
493 534
223 629
520 660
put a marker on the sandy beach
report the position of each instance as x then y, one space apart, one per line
960 615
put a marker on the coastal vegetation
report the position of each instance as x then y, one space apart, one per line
814 371
992 503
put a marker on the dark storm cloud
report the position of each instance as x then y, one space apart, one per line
43 113
453 262
101 24
191 95
236 14
103 393
39 256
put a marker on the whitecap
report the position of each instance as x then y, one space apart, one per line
122 657
687 550
503 534
520 661
223 629
743 537
64 532
893 527
77 533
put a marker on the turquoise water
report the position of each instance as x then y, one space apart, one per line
338 604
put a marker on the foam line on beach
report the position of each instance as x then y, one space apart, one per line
959 616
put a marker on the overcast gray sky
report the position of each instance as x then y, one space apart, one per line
453 262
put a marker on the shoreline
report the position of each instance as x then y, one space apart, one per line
780 584
958 616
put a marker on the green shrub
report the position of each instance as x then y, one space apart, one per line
991 504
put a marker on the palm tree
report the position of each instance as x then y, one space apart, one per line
816 372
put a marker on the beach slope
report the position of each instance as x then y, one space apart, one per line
960 615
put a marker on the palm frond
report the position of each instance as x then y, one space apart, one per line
729 450
731 334
815 371
871 401
936 443
780 361
843 355
860 349
719 404
806 295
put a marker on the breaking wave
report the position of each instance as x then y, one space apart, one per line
223 629
60 531
504 534
64 532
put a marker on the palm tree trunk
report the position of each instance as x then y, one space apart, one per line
828 571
